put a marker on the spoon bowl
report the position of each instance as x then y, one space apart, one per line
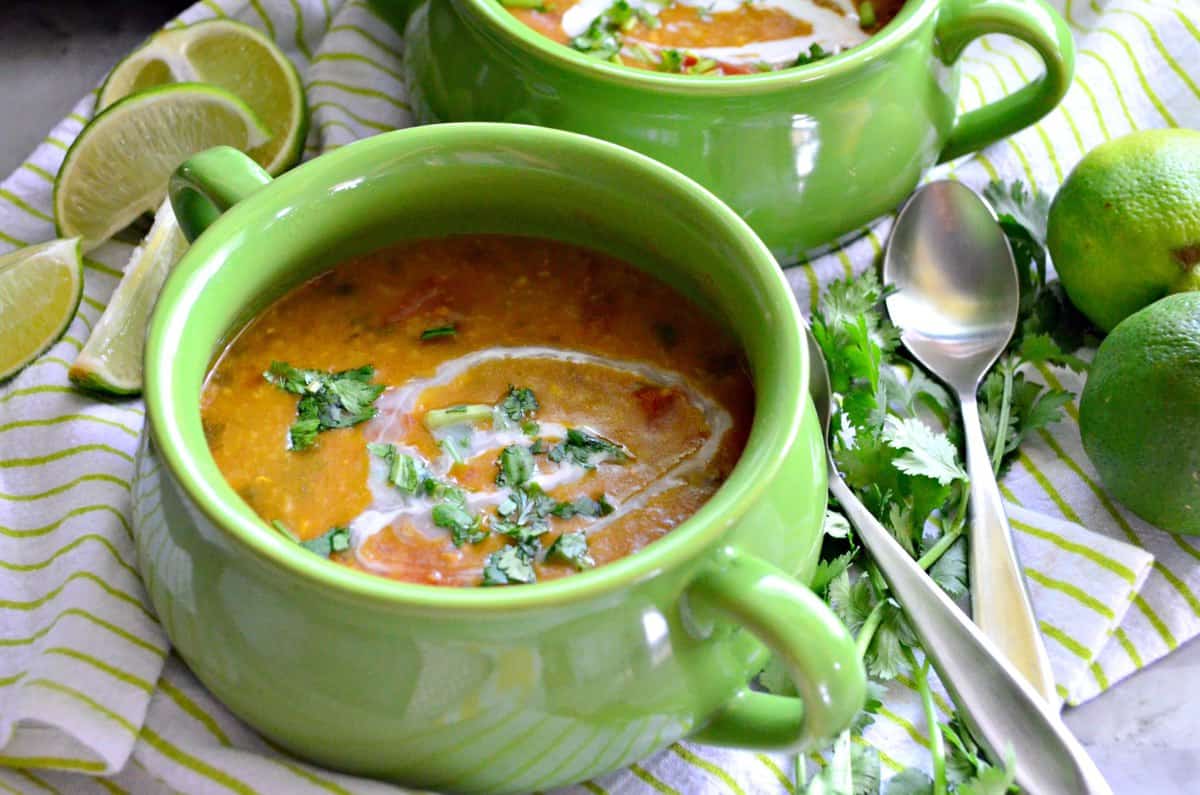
957 292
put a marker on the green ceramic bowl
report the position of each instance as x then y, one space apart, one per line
498 689
803 155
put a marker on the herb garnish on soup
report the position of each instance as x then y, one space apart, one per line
707 37
576 411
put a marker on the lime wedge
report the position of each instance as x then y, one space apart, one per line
235 57
40 288
111 361
118 167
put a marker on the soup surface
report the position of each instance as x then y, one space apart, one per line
478 410
708 36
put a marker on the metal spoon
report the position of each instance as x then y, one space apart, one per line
956 306
996 701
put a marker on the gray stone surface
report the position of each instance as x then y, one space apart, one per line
1144 734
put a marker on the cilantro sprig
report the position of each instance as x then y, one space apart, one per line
897 443
328 400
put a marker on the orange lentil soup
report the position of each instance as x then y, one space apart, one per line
478 410
707 36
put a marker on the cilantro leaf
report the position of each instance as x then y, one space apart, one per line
405 472
571 548
329 400
334 540
518 404
885 656
963 755
464 527
583 506
851 603
587 450
815 53
909 781
527 506
827 570
950 571
510 565
990 781
864 766
515 466
871 705
1017 202
927 453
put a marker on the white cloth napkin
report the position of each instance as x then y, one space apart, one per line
87 685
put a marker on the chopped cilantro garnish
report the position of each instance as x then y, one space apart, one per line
603 38
335 540
527 506
405 472
516 466
452 448
526 535
328 400
512 564
571 548
441 490
815 53
587 450
437 332
464 527
518 404
583 506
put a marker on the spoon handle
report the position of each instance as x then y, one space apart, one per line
999 602
1000 707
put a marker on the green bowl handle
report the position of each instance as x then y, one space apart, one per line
804 632
1033 22
208 184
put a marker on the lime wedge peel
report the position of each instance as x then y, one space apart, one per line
229 55
111 360
40 289
119 165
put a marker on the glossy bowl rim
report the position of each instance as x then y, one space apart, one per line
501 23
765 453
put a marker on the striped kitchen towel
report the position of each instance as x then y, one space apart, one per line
92 700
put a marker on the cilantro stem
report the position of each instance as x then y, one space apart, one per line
457 415
1001 441
867 632
937 744
935 552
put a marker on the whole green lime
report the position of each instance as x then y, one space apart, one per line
1140 413
1124 228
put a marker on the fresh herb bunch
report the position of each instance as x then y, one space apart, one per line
896 440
